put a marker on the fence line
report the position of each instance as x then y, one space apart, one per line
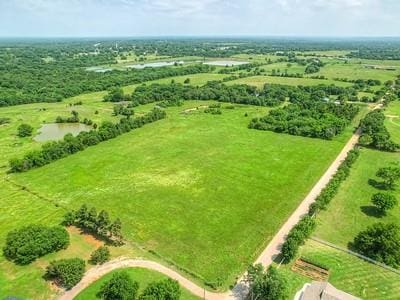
356 254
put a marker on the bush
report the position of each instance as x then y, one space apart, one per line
25 130
384 201
380 242
268 285
66 272
100 255
26 244
119 287
167 289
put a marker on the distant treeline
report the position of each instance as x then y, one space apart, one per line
240 93
69 145
28 79
310 114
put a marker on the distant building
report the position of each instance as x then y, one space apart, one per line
321 290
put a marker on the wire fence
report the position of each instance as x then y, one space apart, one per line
356 254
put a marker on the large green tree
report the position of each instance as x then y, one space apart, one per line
266 285
119 287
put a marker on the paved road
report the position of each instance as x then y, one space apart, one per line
266 257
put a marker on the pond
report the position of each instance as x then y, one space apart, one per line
155 64
225 63
99 69
56 131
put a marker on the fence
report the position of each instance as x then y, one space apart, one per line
356 254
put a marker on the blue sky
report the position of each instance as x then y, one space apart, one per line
199 17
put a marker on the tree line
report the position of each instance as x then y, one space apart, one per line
304 228
95 223
270 95
55 150
317 119
374 133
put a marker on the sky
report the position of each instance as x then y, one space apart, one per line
85 18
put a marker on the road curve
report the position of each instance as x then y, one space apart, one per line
266 257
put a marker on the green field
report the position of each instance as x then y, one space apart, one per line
351 210
142 276
348 273
203 191
355 71
260 81
392 122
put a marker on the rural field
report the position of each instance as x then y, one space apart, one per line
197 182
351 211
204 186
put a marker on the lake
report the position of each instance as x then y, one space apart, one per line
224 63
56 131
155 64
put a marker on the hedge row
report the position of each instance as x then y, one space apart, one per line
69 145
304 228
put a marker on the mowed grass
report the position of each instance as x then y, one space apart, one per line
201 190
260 81
392 122
351 210
140 275
349 273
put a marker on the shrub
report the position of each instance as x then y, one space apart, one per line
26 244
384 201
268 285
119 287
66 272
25 130
167 289
380 242
389 175
100 255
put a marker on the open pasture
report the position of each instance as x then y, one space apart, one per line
392 122
201 190
260 81
351 210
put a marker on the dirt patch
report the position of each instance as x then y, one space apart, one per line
90 239
309 270
189 110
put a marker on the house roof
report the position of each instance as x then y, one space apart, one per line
320 290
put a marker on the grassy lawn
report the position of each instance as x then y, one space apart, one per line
260 81
282 66
142 276
203 191
348 273
392 122
351 210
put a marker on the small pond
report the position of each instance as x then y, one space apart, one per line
56 131
155 64
99 69
224 63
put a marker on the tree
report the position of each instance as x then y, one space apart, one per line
119 287
25 130
100 255
167 289
26 244
267 285
103 222
187 81
66 272
380 242
384 201
115 230
389 175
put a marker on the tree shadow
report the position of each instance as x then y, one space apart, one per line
377 184
372 211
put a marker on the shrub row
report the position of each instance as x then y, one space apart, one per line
304 228
69 145
99 224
